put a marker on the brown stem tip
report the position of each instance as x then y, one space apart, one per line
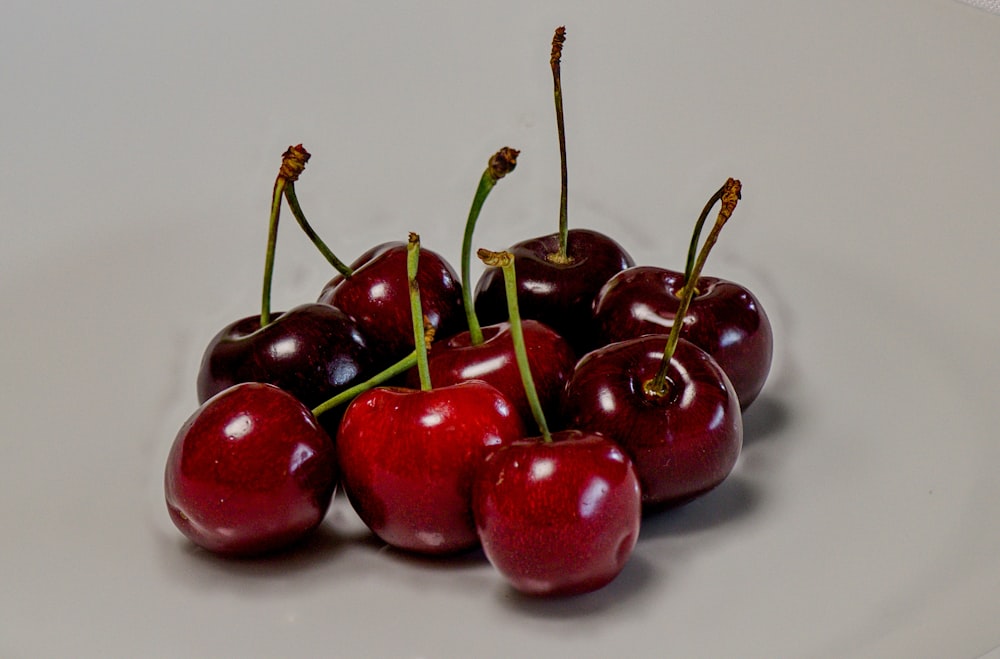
495 259
503 162
558 39
731 193
293 161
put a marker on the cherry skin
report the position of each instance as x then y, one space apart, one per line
558 294
683 443
552 360
312 351
377 297
407 459
251 471
561 517
725 320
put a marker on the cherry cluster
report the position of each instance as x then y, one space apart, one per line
596 393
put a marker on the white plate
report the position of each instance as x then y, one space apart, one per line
138 145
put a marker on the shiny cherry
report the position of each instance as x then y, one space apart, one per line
251 471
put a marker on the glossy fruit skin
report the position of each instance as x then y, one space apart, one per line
725 320
312 351
377 297
558 518
559 295
250 472
407 460
549 355
683 444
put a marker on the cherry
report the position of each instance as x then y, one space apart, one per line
667 402
312 351
558 274
487 354
407 456
251 471
557 514
375 296
724 319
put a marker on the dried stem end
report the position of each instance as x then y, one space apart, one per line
293 161
495 259
503 162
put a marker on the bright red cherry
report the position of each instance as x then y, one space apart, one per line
250 472
557 514
408 456
558 517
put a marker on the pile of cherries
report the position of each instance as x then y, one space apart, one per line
596 393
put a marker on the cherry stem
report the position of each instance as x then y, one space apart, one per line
400 367
502 163
562 255
293 162
728 195
696 234
272 242
421 336
293 204
505 261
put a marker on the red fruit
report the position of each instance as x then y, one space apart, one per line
377 297
312 351
250 472
558 518
408 456
683 443
559 294
724 319
551 358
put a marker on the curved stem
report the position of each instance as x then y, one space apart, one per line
420 338
505 261
400 367
554 61
696 234
293 204
501 164
729 195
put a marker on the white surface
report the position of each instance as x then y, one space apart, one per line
138 145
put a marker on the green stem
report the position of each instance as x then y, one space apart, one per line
293 204
400 367
501 164
420 339
293 162
272 243
557 43
696 235
505 261
729 195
